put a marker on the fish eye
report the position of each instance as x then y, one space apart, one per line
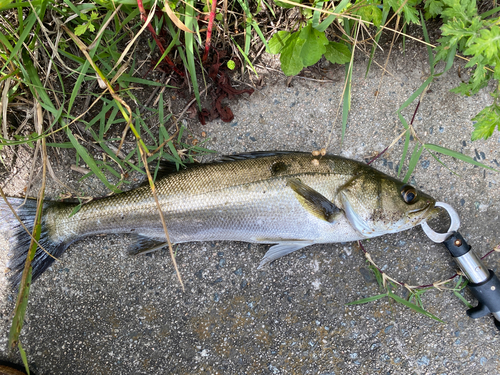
409 194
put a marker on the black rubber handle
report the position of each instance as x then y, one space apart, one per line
487 294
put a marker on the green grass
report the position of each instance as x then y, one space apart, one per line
55 68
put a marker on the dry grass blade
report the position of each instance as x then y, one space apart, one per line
132 42
24 287
176 20
4 104
153 190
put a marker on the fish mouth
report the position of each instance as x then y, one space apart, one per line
426 212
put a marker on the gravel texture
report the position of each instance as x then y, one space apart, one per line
99 311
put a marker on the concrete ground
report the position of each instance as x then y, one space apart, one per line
101 312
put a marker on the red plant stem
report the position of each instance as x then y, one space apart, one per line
403 283
411 123
209 30
170 63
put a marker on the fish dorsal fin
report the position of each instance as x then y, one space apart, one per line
314 202
144 245
282 249
256 155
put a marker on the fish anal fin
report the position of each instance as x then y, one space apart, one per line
282 249
144 245
314 202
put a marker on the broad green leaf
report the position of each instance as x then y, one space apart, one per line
80 29
433 8
337 53
370 13
487 120
278 42
291 61
314 46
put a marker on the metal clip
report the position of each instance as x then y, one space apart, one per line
455 224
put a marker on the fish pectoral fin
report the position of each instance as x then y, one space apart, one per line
144 245
314 202
282 249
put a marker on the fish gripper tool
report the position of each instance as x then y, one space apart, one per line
483 283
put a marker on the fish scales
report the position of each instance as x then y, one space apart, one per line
289 199
217 201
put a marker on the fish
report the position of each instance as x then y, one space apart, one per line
288 199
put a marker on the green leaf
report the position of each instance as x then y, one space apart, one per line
90 161
412 306
314 46
328 20
80 29
337 53
487 120
23 357
417 151
456 155
366 300
433 8
370 13
291 61
278 42
488 44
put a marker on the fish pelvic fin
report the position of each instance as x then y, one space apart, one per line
314 202
20 240
145 245
282 249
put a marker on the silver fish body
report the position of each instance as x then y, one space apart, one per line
289 199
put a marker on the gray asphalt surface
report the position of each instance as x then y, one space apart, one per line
99 311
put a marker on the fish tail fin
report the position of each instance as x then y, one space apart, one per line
20 240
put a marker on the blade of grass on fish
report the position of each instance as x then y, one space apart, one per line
413 306
457 155
24 286
415 156
190 22
162 218
367 300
